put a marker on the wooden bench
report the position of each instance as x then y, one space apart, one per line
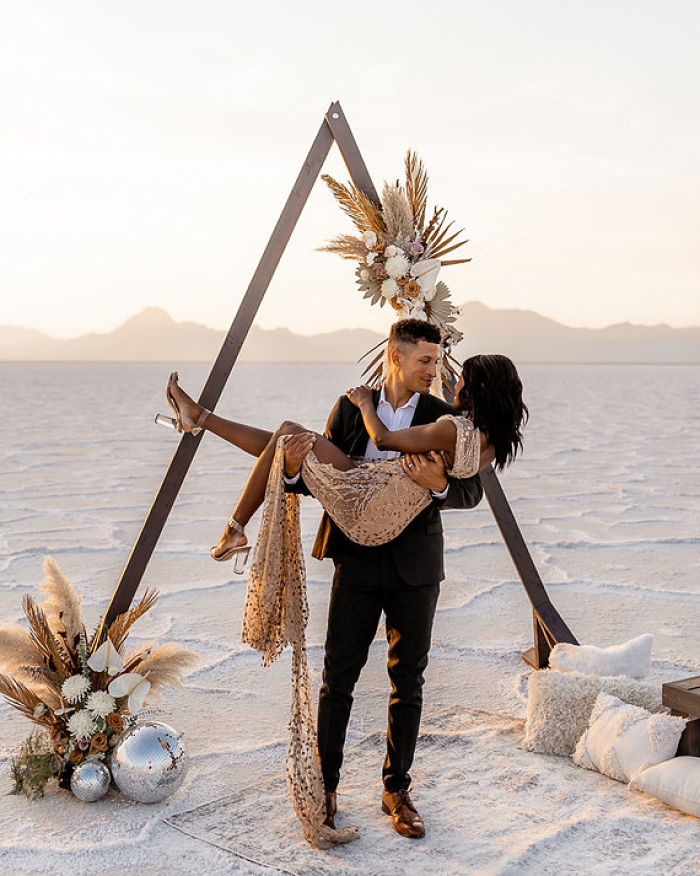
683 698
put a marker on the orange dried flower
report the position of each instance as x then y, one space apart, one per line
76 756
411 289
115 721
99 743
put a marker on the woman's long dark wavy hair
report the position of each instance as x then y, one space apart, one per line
492 397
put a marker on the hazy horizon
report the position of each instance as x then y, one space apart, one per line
302 332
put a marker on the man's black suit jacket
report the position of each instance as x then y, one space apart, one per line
417 553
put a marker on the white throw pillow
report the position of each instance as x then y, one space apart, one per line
622 740
676 782
630 658
559 705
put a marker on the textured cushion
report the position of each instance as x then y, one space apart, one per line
676 782
630 658
622 740
559 705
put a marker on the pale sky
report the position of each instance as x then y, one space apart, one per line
147 149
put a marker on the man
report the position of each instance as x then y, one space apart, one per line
401 578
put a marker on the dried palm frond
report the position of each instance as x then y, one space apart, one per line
416 188
397 215
441 247
365 215
17 648
22 698
441 310
54 655
374 361
120 626
444 262
40 674
347 246
439 233
435 220
47 691
382 344
62 605
374 378
166 664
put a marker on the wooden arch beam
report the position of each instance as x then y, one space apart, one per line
549 627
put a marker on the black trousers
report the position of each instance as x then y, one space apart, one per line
361 590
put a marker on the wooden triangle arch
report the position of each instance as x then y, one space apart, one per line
549 628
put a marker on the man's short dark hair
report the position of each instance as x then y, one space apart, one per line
410 331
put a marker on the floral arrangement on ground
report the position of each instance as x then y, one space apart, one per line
82 691
400 255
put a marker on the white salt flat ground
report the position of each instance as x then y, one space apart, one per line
607 495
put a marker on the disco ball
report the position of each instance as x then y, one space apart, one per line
89 780
149 762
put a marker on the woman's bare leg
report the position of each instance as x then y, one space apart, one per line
248 438
254 491
257 442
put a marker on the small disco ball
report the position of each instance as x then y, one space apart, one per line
149 762
89 780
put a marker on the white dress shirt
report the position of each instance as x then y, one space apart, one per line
393 420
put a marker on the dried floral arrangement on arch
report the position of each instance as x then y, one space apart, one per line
399 254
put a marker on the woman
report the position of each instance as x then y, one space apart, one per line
372 502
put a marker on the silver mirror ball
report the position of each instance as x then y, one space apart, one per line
149 762
89 780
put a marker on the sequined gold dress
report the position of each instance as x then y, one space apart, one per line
371 503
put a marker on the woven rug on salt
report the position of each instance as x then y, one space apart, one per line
489 807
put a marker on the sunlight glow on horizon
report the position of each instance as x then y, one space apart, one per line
148 151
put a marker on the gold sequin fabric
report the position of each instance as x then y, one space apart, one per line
371 503
275 614
375 501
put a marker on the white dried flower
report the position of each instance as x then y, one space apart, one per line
371 256
364 274
39 710
390 288
426 273
101 703
81 724
397 266
391 251
370 239
417 312
75 688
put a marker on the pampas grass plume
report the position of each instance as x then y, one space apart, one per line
17 649
166 664
62 604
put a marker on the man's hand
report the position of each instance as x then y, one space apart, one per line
426 469
295 449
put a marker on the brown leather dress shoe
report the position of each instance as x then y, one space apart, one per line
404 815
331 809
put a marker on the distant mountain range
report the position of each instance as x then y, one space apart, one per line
525 336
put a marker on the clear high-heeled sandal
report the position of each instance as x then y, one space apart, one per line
239 553
180 423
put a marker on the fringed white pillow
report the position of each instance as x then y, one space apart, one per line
559 705
630 658
622 740
676 782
